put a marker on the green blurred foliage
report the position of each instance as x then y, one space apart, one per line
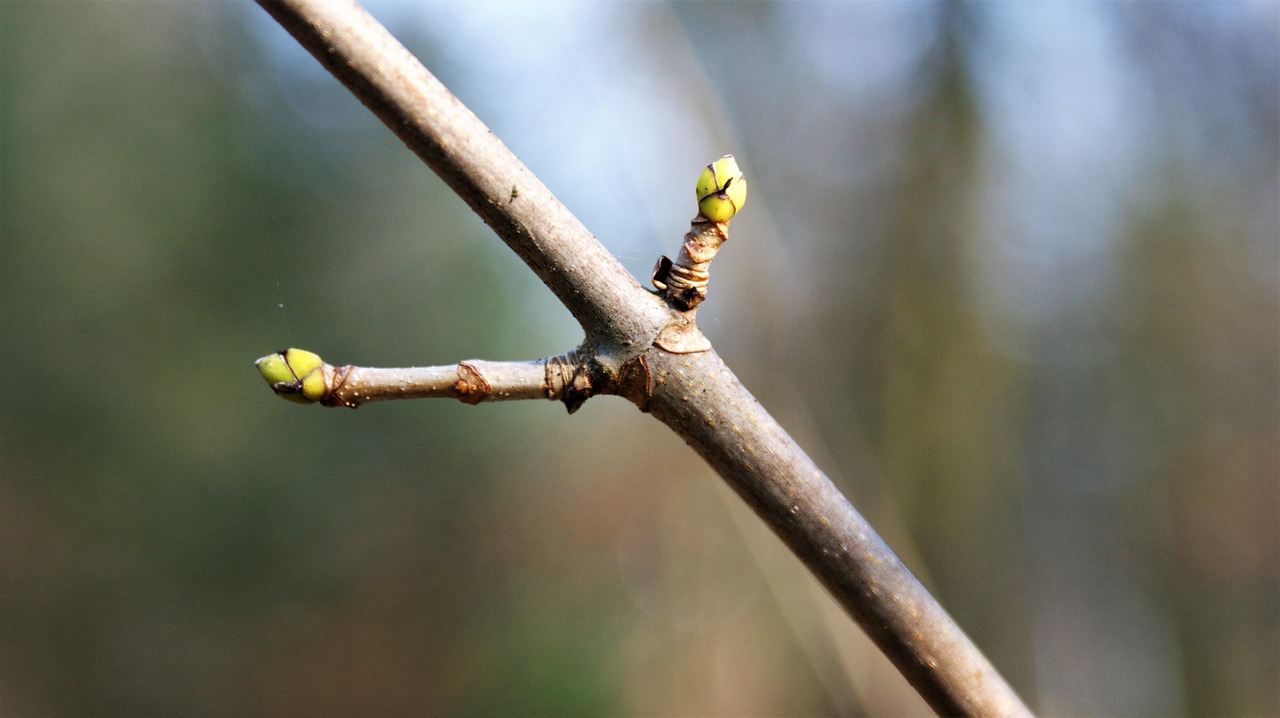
1043 361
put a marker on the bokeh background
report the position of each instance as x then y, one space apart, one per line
1009 271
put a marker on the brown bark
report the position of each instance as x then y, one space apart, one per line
693 392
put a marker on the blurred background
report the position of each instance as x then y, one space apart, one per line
1009 271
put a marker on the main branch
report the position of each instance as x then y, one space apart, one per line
599 292
646 347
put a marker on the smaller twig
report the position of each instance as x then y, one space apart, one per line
300 375
683 282
721 192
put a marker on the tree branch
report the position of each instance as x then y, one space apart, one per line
642 348
476 165
472 382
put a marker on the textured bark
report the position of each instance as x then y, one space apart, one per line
473 381
476 165
703 402
692 392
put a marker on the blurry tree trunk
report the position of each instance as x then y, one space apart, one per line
694 393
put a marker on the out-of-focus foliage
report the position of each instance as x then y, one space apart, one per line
1009 271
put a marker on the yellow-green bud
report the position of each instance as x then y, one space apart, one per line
294 374
722 190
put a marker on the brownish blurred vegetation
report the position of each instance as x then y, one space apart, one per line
1010 272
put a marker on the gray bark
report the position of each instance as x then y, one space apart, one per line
693 393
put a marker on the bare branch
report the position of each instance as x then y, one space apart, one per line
763 464
683 282
290 373
391 82
642 349
721 193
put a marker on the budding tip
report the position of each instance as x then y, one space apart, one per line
294 374
721 190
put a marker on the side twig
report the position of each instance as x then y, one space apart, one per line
643 347
721 192
302 376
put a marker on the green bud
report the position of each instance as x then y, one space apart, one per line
722 190
295 374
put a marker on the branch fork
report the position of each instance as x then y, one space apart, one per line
642 345
573 377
